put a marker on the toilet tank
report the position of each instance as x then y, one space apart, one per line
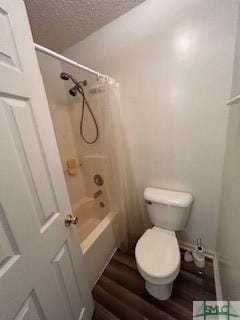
168 209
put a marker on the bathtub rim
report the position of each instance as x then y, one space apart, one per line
93 236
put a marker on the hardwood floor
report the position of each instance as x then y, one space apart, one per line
120 292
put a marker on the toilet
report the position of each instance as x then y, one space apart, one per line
157 251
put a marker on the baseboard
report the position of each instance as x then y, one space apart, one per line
212 255
189 246
101 272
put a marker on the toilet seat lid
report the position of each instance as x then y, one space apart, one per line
157 253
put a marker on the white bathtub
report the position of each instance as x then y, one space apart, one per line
96 236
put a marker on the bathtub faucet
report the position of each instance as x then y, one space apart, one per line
97 194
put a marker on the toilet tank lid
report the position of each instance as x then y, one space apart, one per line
174 198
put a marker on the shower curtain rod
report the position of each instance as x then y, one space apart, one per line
69 61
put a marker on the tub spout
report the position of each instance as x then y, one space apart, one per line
97 194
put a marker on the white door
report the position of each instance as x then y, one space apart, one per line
41 265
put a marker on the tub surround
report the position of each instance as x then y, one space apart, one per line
96 236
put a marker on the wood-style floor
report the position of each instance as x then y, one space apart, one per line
120 292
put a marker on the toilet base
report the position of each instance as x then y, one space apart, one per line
161 292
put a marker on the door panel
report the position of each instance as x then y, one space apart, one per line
31 310
8 52
67 280
41 180
9 251
42 272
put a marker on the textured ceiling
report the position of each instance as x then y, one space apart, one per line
58 24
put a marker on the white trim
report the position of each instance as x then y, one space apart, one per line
69 61
234 100
92 237
103 269
82 313
218 286
212 255
188 246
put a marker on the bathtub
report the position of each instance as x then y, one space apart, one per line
96 235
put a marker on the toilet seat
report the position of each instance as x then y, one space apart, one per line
158 256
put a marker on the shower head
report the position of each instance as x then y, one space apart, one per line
64 76
78 88
78 84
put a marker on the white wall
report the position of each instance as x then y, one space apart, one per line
54 86
229 221
173 60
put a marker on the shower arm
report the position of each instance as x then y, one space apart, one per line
69 61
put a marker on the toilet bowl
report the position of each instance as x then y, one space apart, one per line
158 260
157 251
